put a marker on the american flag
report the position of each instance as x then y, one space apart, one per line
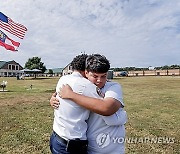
10 26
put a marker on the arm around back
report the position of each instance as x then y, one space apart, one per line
106 107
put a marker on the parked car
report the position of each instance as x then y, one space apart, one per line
124 73
27 75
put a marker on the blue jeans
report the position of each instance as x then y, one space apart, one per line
56 146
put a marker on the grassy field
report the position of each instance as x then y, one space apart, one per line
152 104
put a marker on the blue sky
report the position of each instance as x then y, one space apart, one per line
138 33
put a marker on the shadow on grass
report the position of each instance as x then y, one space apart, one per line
50 91
37 78
4 91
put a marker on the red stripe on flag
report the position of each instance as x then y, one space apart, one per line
14 42
12 31
17 24
8 47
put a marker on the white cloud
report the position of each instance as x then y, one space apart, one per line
128 32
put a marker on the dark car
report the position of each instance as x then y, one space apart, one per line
124 73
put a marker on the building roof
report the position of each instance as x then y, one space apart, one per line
2 63
55 70
66 66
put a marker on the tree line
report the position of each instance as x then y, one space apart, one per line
35 63
166 67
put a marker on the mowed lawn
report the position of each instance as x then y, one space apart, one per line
152 104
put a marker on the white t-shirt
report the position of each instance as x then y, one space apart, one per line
70 118
106 133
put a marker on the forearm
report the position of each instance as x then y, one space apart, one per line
99 106
117 119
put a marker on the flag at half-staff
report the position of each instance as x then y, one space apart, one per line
12 27
8 43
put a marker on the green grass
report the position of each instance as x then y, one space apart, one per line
152 104
153 107
26 117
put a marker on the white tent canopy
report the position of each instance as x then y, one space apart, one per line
30 71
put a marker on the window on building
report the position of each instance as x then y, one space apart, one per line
13 67
5 73
9 73
70 67
17 67
9 67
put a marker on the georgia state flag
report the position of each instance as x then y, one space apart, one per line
8 43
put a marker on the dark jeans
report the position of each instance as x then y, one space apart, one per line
56 146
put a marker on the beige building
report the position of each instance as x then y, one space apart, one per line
67 69
155 72
10 69
169 72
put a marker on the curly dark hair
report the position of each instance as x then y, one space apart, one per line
97 63
78 63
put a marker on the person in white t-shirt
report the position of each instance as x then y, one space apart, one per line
103 131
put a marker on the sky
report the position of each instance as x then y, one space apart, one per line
130 33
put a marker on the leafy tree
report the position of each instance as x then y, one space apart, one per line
175 66
117 69
35 63
50 71
165 67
